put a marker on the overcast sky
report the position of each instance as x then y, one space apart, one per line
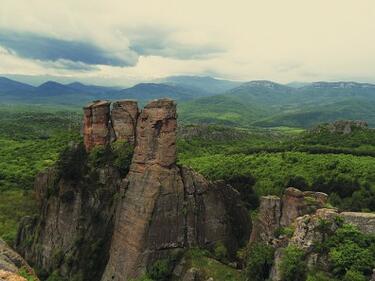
121 41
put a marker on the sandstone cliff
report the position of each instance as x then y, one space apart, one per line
100 214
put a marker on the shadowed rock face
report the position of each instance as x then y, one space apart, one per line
159 208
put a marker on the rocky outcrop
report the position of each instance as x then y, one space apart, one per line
124 116
276 213
75 223
341 126
310 223
167 208
96 125
296 203
89 211
11 263
364 221
268 220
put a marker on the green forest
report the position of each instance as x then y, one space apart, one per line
256 161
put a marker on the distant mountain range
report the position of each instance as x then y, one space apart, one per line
209 100
76 93
268 104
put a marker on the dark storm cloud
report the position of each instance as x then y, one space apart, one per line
40 47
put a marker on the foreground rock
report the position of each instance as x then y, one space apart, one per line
307 220
11 263
94 218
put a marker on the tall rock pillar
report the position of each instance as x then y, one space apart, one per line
96 124
153 183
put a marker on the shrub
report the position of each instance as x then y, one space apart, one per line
55 276
318 276
352 275
161 270
293 266
220 251
259 262
24 272
123 152
287 231
71 162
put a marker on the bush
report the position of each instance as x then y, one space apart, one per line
123 152
352 275
24 272
161 270
318 276
259 262
220 251
55 276
71 162
293 266
351 249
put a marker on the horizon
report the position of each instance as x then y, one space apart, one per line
37 81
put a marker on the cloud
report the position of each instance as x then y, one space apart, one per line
69 65
125 40
43 48
152 41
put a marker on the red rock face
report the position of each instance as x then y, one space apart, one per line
124 116
96 124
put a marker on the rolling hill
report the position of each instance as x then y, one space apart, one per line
265 103
256 103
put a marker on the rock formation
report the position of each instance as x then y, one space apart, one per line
124 120
11 263
276 213
123 224
341 126
166 207
303 213
96 125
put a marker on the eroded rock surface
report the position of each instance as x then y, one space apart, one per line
96 125
11 263
75 222
305 215
166 207
124 116
276 213
156 210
